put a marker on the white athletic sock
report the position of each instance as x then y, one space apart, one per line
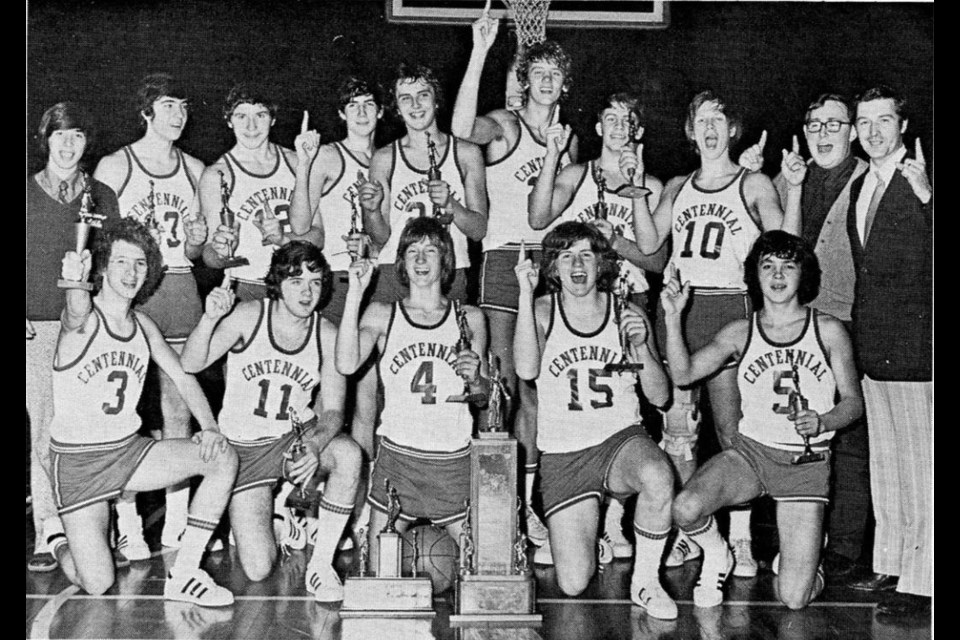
649 550
280 502
194 543
128 520
740 524
708 537
529 478
54 538
331 520
614 516
178 505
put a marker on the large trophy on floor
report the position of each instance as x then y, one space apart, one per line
496 585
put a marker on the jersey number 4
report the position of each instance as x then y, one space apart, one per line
422 382
710 241
261 409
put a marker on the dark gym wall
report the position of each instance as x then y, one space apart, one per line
770 58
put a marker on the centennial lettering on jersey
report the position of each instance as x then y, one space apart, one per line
301 376
443 352
711 209
257 200
788 357
529 169
112 360
618 215
352 191
582 352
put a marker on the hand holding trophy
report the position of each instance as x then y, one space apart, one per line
620 302
228 219
799 404
632 149
433 173
86 219
463 344
304 498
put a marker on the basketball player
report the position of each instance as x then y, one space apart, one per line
155 182
514 143
54 197
589 427
398 188
424 438
784 348
278 358
99 370
713 216
259 175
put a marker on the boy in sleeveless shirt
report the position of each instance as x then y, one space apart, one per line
784 348
99 370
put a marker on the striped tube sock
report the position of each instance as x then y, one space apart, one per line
331 520
54 536
649 550
194 543
707 536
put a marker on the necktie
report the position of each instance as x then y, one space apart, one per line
63 191
872 209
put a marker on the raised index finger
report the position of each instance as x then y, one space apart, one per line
306 121
919 149
486 9
523 252
763 140
227 281
796 144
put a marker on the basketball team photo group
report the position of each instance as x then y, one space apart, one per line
480 319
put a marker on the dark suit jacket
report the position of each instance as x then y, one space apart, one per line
892 309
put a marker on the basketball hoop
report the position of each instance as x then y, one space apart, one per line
530 19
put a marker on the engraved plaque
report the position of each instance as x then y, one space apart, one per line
493 512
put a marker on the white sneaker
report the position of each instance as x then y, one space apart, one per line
543 554
133 547
743 553
196 586
654 600
324 584
604 551
613 531
536 531
290 531
311 529
683 550
708 591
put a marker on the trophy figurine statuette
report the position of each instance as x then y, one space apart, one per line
498 396
797 404
387 594
228 219
304 498
433 173
601 207
86 219
630 190
463 344
356 229
620 300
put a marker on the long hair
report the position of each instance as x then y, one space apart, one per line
407 73
353 87
418 229
288 261
734 120
546 51
60 117
246 93
152 88
785 246
562 237
132 231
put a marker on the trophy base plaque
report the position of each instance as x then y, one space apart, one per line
387 598
236 261
632 191
807 457
503 600
74 284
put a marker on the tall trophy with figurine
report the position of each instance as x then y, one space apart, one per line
797 404
305 498
228 219
86 219
433 173
621 297
462 345
630 189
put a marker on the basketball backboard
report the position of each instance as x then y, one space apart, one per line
622 14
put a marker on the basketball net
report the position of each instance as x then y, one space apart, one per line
530 21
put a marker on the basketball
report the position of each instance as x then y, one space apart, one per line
438 556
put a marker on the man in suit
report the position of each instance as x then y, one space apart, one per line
824 192
890 226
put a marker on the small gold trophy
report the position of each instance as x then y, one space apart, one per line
630 190
228 219
797 404
86 219
620 299
303 498
601 207
433 173
463 344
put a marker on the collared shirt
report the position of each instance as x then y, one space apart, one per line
820 191
885 173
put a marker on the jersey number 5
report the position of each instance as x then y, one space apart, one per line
594 374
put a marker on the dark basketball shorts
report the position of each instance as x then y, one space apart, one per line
708 311
337 298
85 474
175 306
387 287
569 478
499 289
431 484
782 480
261 463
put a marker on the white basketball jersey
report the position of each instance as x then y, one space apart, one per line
172 195
250 195
765 380
583 208
418 376
410 199
336 209
579 404
509 182
712 234
95 396
264 382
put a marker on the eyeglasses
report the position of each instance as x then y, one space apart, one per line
832 126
